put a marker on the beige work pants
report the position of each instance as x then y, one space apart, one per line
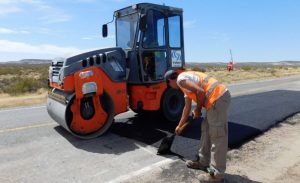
214 135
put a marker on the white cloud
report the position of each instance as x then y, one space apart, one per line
111 36
104 1
43 30
189 23
48 14
7 46
97 37
87 38
5 1
51 14
86 1
11 31
218 36
6 31
24 32
6 7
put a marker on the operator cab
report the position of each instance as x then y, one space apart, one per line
152 37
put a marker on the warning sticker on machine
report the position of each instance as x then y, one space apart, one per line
176 58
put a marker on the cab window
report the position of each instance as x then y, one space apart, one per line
174 31
154 36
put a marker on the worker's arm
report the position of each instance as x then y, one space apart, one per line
200 95
185 114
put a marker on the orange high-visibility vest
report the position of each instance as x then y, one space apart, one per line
212 89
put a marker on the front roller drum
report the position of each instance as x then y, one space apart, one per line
85 118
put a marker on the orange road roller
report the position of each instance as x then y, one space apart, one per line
87 90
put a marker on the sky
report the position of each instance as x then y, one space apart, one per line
255 30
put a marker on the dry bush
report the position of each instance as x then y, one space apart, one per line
248 68
198 69
17 79
20 85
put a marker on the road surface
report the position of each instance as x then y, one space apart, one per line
33 148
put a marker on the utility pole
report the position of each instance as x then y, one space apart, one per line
230 63
231 55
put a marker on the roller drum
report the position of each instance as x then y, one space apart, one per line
60 111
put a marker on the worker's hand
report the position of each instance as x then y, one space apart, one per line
196 114
178 130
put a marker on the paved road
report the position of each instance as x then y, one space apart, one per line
33 148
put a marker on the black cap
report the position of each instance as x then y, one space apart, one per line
170 75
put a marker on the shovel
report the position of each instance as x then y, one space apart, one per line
166 143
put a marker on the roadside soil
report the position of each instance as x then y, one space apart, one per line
255 73
273 157
27 99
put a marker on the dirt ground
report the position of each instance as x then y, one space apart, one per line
37 98
272 157
255 73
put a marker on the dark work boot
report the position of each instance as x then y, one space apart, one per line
195 165
206 178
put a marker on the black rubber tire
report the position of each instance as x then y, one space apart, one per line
172 104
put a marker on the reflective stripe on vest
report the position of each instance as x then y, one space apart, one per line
212 88
204 82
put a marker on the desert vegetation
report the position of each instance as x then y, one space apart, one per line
19 79
16 79
244 73
26 84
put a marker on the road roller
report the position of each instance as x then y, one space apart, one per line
87 90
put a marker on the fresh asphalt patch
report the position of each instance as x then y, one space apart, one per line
249 116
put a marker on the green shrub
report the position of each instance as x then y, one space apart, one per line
25 78
247 68
198 69
23 69
5 70
273 72
20 85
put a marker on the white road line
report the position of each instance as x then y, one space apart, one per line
22 108
145 149
130 175
27 127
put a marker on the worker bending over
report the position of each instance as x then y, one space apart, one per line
207 92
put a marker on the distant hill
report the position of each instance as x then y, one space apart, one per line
241 64
188 64
29 61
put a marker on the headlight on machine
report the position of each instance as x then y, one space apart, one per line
90 87
86 74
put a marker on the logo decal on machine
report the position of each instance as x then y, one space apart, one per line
176 58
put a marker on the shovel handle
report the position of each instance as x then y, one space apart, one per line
183 126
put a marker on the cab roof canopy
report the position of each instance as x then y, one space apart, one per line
143 7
